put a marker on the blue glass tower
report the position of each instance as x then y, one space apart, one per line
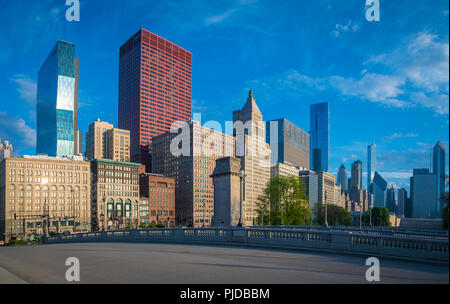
57 102
439 171
320 137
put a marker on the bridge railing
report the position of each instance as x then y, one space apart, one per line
430 249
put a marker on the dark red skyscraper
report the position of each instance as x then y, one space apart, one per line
155 90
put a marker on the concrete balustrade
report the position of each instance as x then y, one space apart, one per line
379 244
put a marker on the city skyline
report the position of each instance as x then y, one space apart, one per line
402 142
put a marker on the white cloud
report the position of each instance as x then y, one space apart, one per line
17 132
351 26
221 17
400 135
26 87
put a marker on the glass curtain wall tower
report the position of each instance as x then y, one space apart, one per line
320 136
57 102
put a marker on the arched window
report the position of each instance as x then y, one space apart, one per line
61 188
29 188
21 188
119 207
37 188
128 208
54 188
12 187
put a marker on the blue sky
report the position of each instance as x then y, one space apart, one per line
386 80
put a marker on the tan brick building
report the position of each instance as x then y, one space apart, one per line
115 194
40 194
103 141
192 170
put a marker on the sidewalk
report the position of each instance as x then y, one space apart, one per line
8 278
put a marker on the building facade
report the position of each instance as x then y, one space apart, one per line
342 178
311 181
288 143
439 171
424 194
190 158
6 149
115 194
379 189
159 192
326 184
320 136
251 147
43 195
103 141
283 170
155 90
402 197
57 103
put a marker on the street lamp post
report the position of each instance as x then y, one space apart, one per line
326 207
360 216
241 176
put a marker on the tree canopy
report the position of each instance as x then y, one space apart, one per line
380 217
336 215
284 200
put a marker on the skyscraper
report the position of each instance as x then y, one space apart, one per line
57 103
402 198
342 178
320 136
371 163
439 171
288 143
423 193
357 174
103 141
155 90
390 199
254 152
379 188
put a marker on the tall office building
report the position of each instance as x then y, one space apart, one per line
379 188
103 141
439 171
390 199
402 198
371 164
288 143
326 187
57 103
155 90
311 181
424 193
194 188
342 178
357 175
254 152
320 137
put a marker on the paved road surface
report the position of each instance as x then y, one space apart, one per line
174 263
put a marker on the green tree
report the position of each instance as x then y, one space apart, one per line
284 197
380 217
336 215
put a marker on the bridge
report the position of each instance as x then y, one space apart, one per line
254 255
422 246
